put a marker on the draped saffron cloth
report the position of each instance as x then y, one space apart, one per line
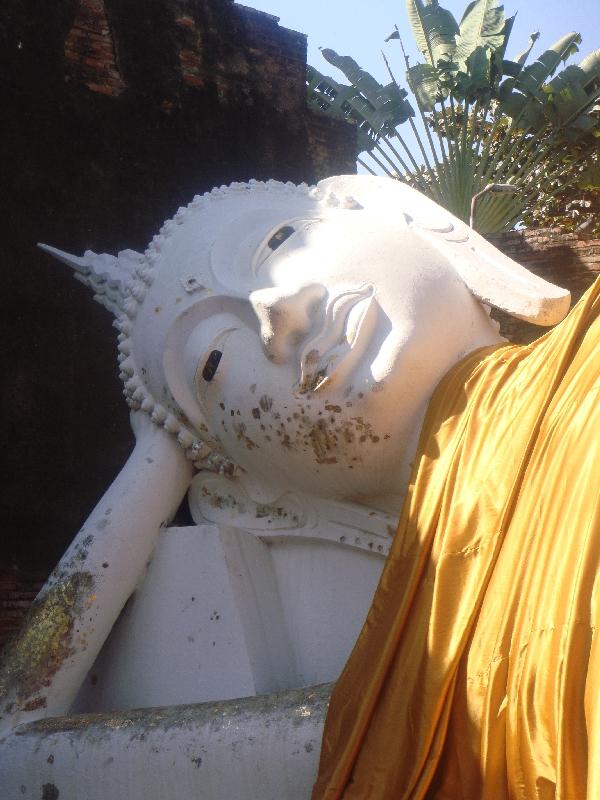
477 673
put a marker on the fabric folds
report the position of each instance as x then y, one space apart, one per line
477 672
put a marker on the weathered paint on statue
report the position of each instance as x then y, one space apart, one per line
285 342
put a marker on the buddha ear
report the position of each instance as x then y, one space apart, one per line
493 277
497 280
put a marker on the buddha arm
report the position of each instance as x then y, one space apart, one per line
74 612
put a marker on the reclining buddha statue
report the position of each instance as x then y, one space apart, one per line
278 346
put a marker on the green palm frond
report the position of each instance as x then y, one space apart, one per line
424 81
571 93
375 109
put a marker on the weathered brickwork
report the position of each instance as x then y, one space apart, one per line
190 51
324 137
266 61
90 56
266 56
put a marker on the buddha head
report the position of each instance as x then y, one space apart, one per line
292 336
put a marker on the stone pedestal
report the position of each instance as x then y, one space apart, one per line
223 613
261 747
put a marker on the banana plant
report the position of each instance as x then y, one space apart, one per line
480 117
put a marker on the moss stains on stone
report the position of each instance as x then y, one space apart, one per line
301 706
45 640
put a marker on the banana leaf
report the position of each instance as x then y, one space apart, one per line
566 96
434 29
529 84
508 26
373 120
328 96
574 89
482 26
522 57
424 81
500 52
514 67
529 111
571 96
590 66
590 177
388 102
359 78
532 77
478 73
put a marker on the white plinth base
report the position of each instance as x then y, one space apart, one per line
223 613
263 747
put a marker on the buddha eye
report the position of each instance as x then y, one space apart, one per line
280 236
211 365
294 227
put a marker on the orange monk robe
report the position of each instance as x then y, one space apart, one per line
477 673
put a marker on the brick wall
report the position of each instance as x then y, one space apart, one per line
90 57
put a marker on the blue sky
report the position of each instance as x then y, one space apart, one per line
359 28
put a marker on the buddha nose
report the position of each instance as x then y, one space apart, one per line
286 317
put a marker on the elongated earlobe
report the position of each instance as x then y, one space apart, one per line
497 280
490 276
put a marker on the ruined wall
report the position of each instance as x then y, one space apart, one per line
113 115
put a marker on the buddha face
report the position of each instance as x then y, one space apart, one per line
302 332
312 359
